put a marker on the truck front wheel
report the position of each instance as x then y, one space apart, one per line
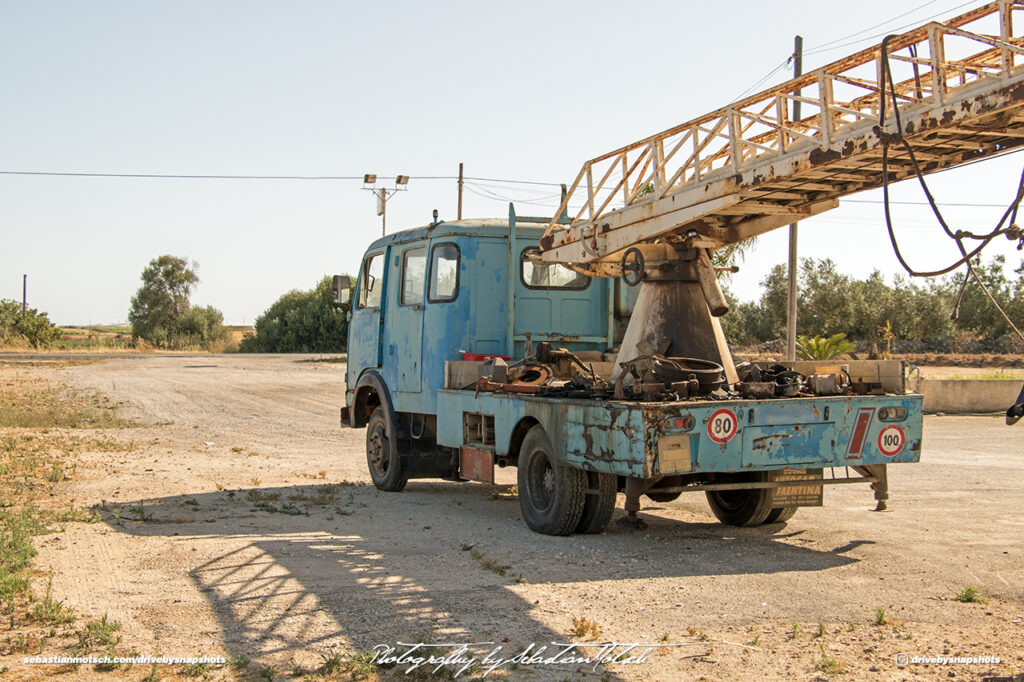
741 507
551 495
385 465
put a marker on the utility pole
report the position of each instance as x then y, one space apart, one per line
24 296
460 191
798 59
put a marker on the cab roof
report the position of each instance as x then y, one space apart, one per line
476 227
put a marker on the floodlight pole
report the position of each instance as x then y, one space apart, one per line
24 296
383 194
791 293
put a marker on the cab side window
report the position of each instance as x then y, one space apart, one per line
371 282
444 273
414 276
537 275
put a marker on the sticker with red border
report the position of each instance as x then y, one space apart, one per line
722 425
891 440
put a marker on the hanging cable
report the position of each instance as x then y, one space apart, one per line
1012 230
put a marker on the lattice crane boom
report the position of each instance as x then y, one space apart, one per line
750 167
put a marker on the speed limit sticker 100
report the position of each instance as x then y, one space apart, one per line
722 425
891 440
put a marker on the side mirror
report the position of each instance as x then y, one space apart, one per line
342 288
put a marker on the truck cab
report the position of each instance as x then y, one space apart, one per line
453 290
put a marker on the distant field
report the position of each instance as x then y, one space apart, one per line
95 338
118 339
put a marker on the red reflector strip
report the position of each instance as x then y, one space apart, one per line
860 432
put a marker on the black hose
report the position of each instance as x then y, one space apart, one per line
887 139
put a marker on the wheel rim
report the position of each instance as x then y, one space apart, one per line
378 451
542 482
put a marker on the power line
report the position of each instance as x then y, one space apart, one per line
828 47
176 176
870 28
764 78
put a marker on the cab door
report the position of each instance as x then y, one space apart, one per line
404 323
365 325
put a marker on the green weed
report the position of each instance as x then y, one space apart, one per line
99 633
50 610
969 595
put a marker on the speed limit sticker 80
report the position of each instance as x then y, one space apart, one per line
722 425
891 440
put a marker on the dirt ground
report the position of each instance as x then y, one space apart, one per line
241 523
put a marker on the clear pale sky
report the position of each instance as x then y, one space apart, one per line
524 91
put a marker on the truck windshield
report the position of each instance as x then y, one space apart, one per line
537 275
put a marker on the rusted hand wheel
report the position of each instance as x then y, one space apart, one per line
632 266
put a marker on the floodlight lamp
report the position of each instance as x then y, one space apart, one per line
402 180
369 178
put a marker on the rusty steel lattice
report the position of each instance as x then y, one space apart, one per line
752 167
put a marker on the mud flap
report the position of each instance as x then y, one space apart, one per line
798 496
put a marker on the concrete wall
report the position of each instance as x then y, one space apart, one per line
969 395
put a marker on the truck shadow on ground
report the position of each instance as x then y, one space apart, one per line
311 568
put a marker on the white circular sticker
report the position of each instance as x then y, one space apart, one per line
722 426
891 440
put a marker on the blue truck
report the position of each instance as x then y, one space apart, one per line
467 352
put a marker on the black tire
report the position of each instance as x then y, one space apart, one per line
382 459
662 498
551 495
780 514
599 504
741 507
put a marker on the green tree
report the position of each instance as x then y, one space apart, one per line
34 328
160 310
301 322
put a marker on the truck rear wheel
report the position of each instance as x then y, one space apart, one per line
741 507
385 465
599 504
780 514
551 495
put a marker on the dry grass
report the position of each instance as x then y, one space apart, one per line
30 402
584 627
43 429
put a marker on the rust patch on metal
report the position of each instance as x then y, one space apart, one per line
476 464
820 157
763 442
